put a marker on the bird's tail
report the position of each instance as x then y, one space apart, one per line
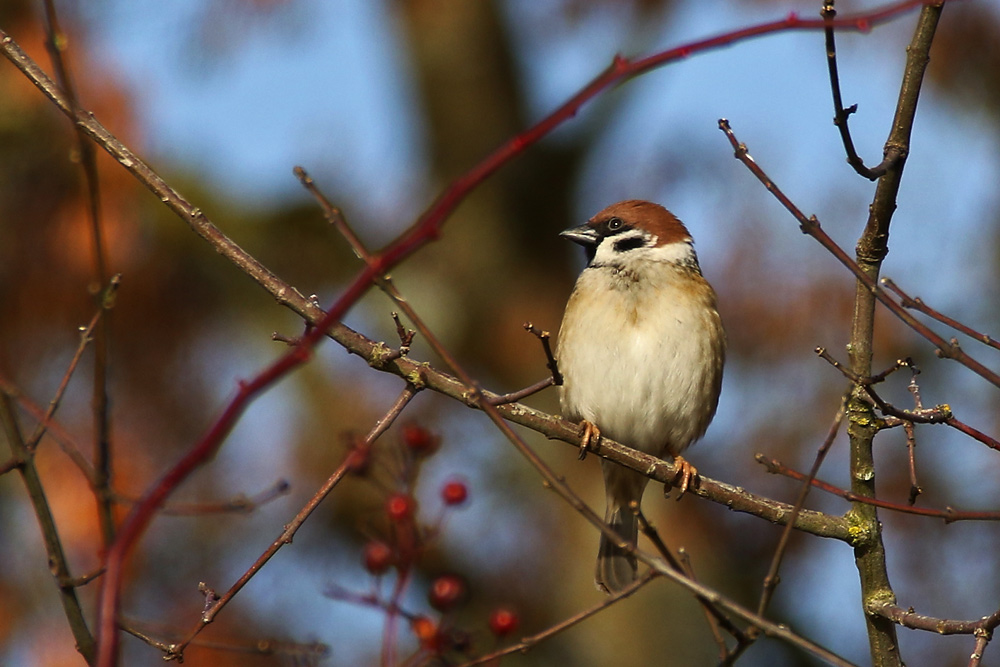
616 568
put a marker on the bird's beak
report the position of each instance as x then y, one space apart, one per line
585 235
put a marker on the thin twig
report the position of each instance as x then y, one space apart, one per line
58 565
550 359
240 504
911 438
983 638
529 642
742 639
176 651
906 362
520 394
83 579
916 303
405 335
56 41
107 295
716 619
911 447
949 514
771 579
333 214
11 464
811 226
841 115
66 442
939 414
301 654
340 593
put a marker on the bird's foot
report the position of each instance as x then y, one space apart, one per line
685 477
590 434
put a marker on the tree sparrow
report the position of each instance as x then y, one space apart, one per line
641 350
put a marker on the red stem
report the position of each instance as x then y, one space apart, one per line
138 519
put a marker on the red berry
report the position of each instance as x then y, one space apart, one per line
504 621
454 493
427 632
446 592
400 507
419 440
377 556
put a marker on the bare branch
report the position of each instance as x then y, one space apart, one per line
948 514
107 297
771 579
527 643
240 504
217 604
939 414
58 565
916 303
301 654
841 115
910 619
55 41
811 226
550 359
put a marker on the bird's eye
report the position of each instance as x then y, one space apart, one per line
615 223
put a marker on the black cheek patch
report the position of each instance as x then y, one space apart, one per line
630 243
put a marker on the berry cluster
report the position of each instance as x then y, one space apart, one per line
396 554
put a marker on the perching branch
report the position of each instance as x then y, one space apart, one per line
475 397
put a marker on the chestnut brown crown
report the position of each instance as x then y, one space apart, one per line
647 216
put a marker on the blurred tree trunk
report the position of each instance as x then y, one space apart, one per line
472 103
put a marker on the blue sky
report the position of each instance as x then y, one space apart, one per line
326 84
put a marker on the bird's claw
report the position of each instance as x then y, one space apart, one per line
685 477
590 434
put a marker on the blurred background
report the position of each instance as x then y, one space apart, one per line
384 102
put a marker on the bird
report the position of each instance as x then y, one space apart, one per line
641 350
